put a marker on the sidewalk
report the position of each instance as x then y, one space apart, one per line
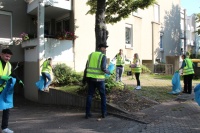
181 116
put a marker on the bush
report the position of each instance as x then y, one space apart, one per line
64 75
110 84
145 69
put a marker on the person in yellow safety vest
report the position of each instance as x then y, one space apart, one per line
136 68
46 73
5 71
188 72
94 75
120 62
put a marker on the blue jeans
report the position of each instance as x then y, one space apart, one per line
47 79
92 85
119 71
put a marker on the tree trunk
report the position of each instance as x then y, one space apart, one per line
100 25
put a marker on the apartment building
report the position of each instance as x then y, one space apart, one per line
153 33
192 38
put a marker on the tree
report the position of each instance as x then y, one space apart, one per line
198 22
112 11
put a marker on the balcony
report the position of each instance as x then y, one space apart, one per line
53 8
6 41
47 42
30 43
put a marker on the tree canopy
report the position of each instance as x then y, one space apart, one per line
115 10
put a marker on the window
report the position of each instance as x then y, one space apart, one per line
47 28
5 25
156 13
128 36
161 42
59 27
5 28
63 25
66 24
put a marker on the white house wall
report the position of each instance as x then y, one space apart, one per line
170 18
61 51
85 43
146 34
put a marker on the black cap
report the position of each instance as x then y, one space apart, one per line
6 51
103 45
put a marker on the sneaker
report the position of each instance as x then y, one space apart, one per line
7 130
138 88
135 87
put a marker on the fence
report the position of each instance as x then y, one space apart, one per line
163 68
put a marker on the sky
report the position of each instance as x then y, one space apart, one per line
191 6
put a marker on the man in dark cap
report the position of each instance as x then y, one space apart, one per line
94 74
5 71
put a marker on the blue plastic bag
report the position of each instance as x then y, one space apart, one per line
197 93
40 84
111 68
176 85
6 96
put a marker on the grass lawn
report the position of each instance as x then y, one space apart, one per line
70 89
156 93
155 87
159 94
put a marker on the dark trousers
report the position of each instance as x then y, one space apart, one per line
5 117
92 85
187 80
137 76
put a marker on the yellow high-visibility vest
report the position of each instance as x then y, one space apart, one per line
137 69
120 60
46 67
4 72
94 66
188 69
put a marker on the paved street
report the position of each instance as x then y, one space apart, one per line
28 117
181 116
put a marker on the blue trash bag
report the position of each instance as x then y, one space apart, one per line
176 84
197 93
40 84
6 96
111 68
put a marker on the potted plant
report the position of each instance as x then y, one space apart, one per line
66 35
69 35
24 36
